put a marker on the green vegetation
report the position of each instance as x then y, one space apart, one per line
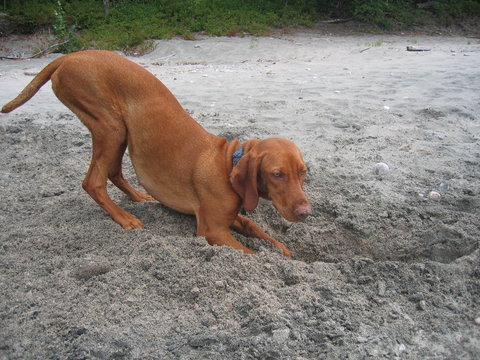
84 24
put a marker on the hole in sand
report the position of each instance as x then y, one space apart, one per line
329 236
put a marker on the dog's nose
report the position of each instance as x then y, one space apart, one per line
303 211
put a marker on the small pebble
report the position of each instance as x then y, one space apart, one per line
195 291
381 288
477 320
380 168
31 73
444 186
434 195
281 335
86 272
362 340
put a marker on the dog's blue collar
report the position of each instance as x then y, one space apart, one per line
237 155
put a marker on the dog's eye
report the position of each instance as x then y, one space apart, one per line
277 174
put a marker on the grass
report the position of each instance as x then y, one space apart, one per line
131 22
82 23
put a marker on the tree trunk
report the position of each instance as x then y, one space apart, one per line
106 7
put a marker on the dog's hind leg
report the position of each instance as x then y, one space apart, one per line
116 177
108 146
91 100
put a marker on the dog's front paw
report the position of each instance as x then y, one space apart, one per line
285 251
130 222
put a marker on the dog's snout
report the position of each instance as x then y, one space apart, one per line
303 211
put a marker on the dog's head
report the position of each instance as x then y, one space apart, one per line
272 169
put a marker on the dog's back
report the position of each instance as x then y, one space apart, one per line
100 78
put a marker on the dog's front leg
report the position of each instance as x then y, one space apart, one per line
249 228
216 232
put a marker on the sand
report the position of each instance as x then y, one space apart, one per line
387 267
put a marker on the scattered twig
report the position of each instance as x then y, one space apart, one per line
335 21
166 57
368 48
34 55
411 48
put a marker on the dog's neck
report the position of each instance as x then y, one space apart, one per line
235 150
231 147
237 155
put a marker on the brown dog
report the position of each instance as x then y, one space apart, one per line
176 160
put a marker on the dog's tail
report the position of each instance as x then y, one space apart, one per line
34 85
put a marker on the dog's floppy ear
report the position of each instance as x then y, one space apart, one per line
244 180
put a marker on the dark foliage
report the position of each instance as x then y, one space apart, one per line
129 22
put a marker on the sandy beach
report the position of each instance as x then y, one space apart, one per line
387 267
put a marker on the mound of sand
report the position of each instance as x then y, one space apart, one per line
383 269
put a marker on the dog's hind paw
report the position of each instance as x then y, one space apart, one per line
146 197
142 196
